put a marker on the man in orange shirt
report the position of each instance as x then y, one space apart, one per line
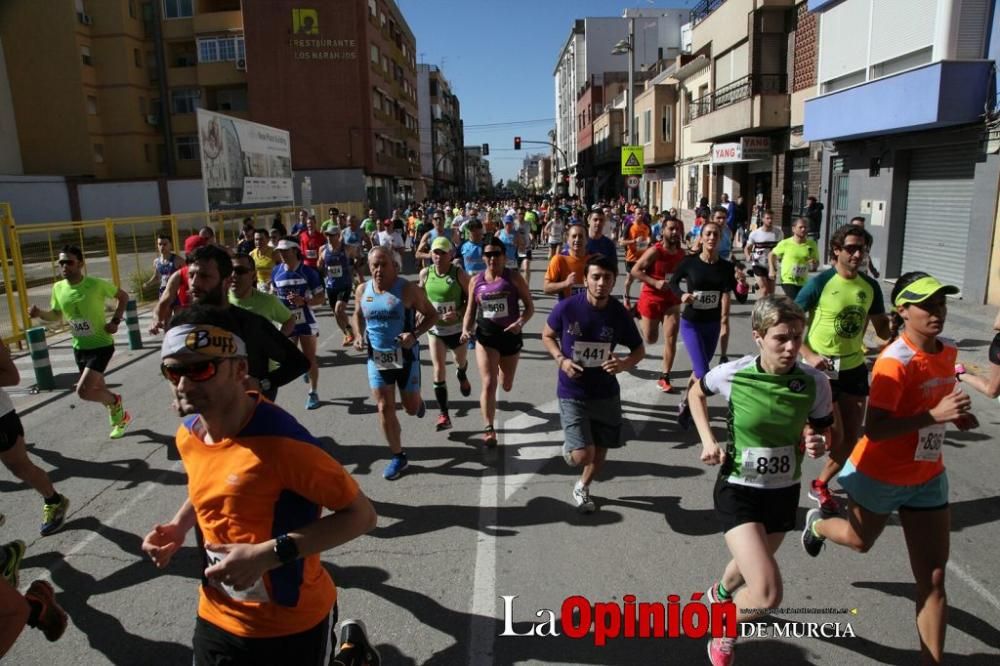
566 271
257 486
636 243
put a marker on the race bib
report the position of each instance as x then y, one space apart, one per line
300 315
591 354
832 367
706 300
511 262
257 592
768 467
335 272
80 328
494 307
577 289
800 271
446 311
929 443
641 243
388 359
311 254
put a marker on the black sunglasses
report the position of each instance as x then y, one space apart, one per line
492 255
241 270
201 371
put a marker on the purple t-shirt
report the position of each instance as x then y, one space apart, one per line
588 336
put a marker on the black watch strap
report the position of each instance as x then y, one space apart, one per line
285 549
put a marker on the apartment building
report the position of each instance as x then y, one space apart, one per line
441 134
478 179
655 117
909 116
693 166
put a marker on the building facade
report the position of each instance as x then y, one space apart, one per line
441 135
916 156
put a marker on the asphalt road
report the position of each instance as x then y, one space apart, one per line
462 528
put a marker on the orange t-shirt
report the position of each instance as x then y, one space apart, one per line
270 479
906 382
561 265
640 233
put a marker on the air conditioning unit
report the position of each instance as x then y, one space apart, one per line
241 64
153 119
85 18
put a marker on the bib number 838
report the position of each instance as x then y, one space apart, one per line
773 465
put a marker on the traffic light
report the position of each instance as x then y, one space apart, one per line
517 143
486 149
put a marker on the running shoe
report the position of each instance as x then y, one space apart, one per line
712 596
348 339
421 410
13 554
354 646
443 422
118 428
52 618
395 467
723 359
490 438
581 497
116 411
684 420
720 651
464 386
811 543
663 383
820 491
53 516
312 400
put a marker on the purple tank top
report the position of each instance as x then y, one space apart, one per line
499 305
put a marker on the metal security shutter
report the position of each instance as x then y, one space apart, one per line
938 211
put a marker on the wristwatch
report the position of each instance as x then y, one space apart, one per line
285 549
116 320
265 384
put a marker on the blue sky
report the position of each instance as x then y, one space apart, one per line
499 56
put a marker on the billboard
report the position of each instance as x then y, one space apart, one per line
244 164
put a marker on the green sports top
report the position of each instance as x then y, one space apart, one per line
766 416
795 258
267 306
82 307
446 295
838 315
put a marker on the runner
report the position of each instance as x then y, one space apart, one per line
554 231
566 272
389 238
989 387
386 307
79 299
438 230
656 301
300 288
311 242
866 266
335 261
798 255
263 259
709 281
353 238
470 252
165 264
897 466
447 288
725 251
597 241
840 302
778 409
636 241
759 244
581 334
370 224
243 294
499 306
264 592
511 241
37 609
525 243
14 454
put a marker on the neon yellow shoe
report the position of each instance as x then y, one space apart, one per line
118 428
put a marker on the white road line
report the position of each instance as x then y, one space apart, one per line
976 586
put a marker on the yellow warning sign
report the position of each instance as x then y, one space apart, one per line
632 162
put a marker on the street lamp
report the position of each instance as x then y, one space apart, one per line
623 47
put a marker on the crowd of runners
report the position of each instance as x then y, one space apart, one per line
239 323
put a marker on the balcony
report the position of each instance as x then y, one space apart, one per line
755 102
701 10
182 76
210 22
943 93
220 74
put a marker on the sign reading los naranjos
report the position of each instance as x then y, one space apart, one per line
307 45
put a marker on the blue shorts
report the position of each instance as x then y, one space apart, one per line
885 498
406 379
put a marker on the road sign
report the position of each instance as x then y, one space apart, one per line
632 162
633 181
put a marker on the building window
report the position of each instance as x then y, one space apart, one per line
173 9
377 100
91 105
667 124
137 56
185 100
131 8
221 49
647 125
374 54
372 8
187 148
85 56
232 100
99 153
208 50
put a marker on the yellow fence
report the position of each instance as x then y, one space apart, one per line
121 250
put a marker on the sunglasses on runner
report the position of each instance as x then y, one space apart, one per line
853 249
201 371
492 255
241 270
